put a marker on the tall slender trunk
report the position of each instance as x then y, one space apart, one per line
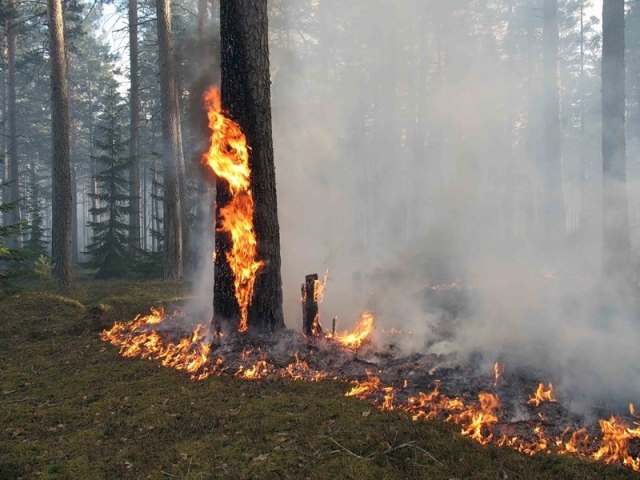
134 145
12 150
174 195
246 95
584 163
616 255
554 213
5 130
61 175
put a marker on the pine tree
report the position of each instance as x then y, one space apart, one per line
36 242
109 247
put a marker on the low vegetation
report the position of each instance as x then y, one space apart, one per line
71 407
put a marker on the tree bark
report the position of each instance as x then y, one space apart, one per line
61 176
134 145
173 158
12 148
616 254
246 96
554 213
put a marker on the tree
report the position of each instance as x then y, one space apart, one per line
616 248
13 186
61 177
134 109
246 96
554 202
110 247
37 241
174 182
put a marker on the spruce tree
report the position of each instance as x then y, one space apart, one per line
12 259
36 242
109 248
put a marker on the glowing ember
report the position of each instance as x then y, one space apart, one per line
354 340
542 395
228 157
139 338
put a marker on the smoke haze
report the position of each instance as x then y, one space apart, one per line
409 151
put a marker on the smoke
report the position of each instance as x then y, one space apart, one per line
409 152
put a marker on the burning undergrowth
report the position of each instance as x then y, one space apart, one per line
508 408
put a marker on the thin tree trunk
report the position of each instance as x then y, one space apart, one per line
12 151
5 130
174 161
246 95
134 145
616 255
554 203
61 176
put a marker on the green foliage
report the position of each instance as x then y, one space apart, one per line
109 248
12 260
37 240
43 268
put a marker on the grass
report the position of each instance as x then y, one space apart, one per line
71 407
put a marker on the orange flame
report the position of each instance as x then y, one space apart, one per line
542 395
354 340
137 339
616 434
228 157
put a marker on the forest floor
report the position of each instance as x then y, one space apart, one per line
71 407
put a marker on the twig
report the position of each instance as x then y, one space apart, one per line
343 448
412 444
167 474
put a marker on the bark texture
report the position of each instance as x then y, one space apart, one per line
61 176
134 145
616 257
554 203
246 96
172 145
13 188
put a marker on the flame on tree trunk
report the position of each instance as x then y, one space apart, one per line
246 98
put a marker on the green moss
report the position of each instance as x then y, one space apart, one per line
71 407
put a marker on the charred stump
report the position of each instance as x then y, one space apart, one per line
310 312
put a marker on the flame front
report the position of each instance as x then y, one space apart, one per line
228 157
542 395
362 331
140 339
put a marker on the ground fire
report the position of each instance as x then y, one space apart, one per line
495 407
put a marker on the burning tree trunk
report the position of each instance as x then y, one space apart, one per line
246 97
616 257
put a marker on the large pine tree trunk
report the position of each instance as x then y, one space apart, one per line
61 176
12 147
246 95
174 161
554 214
616 255
134 145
